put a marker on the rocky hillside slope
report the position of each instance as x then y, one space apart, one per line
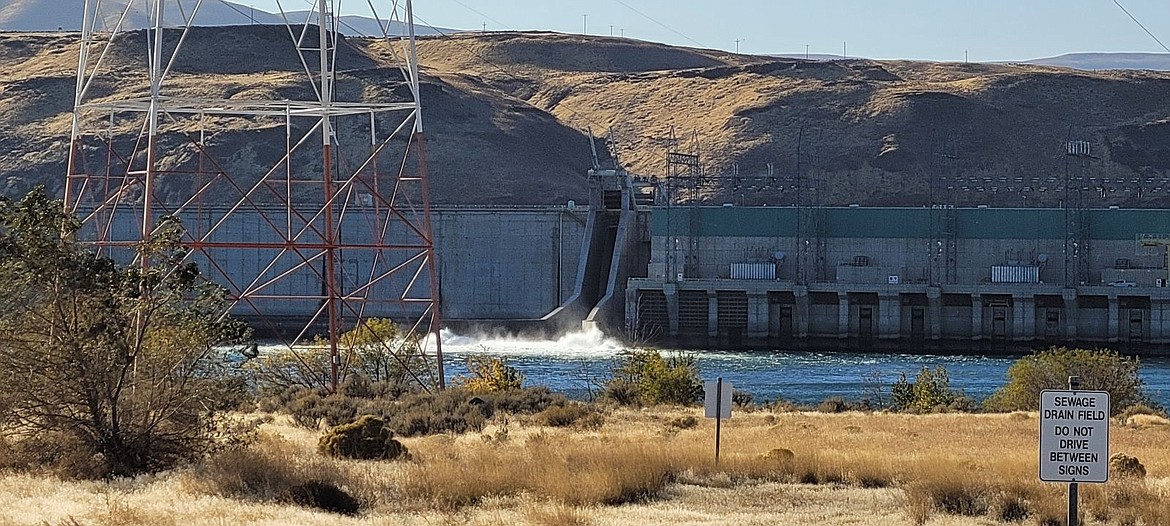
509 115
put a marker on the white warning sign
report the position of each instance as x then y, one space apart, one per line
1074 436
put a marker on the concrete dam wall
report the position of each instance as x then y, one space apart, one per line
495 263
912 278
771 277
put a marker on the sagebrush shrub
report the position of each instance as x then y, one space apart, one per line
367 438
1125 466
529 400
621 392
930 391
1099 370
310 409
657 379
563 415
1139 409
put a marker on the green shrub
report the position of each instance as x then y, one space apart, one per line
621 392
930 391
487 374
526 401
563 415
366 438
657 379
374 353
128 360
449 411
1101 370
310 409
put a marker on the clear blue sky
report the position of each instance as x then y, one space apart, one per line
910 29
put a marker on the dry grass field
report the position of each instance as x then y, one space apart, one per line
639 467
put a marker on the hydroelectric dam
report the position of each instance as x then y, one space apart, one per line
829 278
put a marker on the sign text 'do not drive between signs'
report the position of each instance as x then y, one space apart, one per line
1074 436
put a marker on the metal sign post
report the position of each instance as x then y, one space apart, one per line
1074 439
717 405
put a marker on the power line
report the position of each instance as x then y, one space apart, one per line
480 13
664 26
1138 22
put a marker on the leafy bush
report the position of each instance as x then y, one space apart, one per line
621 392
1125 466
930 391
490 375
379 352
374 354
366 438
1102 370
655 379
125 360
527 401
563 415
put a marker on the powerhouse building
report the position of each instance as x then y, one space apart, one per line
907 278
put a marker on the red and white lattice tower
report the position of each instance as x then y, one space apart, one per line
296 162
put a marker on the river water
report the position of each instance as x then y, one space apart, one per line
577 362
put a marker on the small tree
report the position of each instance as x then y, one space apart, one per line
124 360
379 351
930 389
490 375
373 351
1102 370
654 379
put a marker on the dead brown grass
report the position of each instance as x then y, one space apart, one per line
865 469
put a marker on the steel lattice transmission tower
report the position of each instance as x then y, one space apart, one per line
312 210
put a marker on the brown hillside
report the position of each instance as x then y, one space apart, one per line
507 116
873 132
484 146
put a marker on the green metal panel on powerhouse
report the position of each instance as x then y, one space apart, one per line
969 223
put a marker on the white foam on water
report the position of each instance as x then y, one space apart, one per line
583 344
